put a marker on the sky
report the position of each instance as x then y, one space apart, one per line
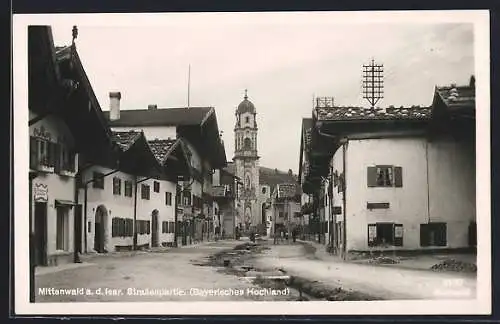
283 61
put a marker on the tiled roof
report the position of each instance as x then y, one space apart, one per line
161 148
273 177
161 117
268 176
361 113
462 96
125 139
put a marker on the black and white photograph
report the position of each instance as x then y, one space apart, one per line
267 163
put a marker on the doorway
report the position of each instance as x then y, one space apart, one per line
101 216
154 228
263 217
40 233
472 234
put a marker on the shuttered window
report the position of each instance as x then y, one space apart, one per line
385 234
117 186
156 186
168 198
128 188
98 180
44 153
433 234
171 227
145 194
385 176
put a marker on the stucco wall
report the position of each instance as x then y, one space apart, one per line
451 190
58 187
123 207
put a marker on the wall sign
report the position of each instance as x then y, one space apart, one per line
380 205
41 192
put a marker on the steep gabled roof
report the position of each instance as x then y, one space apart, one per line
163 148
126 139
161 117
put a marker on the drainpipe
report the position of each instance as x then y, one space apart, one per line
176 204
134 226
78 179
344 190
331 231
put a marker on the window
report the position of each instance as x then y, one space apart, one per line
42 153
98 180
67 159
171 227
145 192
263 190
247 119
128 188
281 215
62 229
248 144
433 234
168 198
156 186
385 176
187 198
385 234
117 186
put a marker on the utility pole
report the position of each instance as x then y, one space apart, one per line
189 85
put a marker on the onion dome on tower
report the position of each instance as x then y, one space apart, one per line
246 106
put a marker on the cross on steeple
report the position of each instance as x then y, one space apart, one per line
246 95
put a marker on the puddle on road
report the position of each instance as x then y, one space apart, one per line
238 262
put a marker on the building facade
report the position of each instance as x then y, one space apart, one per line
394 178
196 129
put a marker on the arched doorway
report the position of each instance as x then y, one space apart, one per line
101 218
154 228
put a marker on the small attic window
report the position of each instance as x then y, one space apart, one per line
247 119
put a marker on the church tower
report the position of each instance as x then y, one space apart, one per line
246 161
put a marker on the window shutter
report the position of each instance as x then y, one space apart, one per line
50 153
148 227
33 153
57 157
372 176
113 227
372 234
398 176
398 234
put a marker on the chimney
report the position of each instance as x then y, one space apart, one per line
472 82
114 105
152 107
